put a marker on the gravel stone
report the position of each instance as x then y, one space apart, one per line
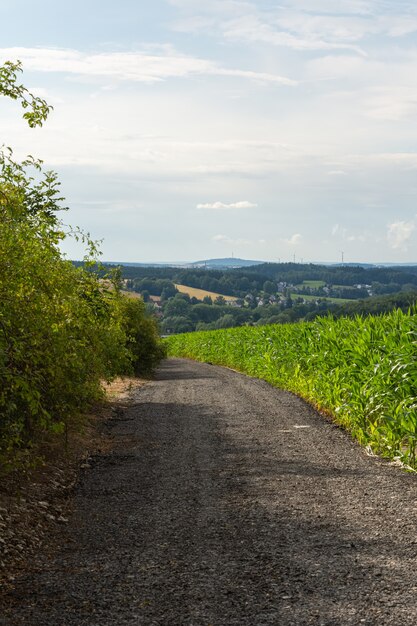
227 502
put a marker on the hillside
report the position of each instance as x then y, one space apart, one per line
227 263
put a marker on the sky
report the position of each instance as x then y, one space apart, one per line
185 130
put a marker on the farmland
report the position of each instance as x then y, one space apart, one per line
315 284
361 371
269 293
309 298
200 294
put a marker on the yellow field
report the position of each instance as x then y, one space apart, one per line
202 293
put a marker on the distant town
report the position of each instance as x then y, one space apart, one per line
223 293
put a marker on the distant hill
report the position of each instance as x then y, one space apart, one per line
234 263
217 264
127 264
228 263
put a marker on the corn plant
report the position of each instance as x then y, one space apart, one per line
362 370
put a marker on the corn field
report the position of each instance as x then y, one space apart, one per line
362 371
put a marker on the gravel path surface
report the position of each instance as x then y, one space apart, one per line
228 502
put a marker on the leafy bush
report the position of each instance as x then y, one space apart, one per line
143 342
62 328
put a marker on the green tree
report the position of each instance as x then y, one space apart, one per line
226 321
220 301
177 324
62 328
36 109
269 287
176 306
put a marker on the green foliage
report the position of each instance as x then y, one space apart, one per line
177 324
362 370
144 345
63 329
36 109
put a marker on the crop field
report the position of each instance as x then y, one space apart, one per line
310 298
361 371
315 284
202 293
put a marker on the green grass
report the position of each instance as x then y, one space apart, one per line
309 298
315 284
345 287
363 371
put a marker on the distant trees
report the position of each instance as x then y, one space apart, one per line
269 287
178 305
273 277
177 324
155 287
226 321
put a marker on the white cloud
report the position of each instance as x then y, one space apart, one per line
297 24
399 234
359 7
254 29
386 103
294 240
214 7
221 206
343 233
138 66
229 241
193 24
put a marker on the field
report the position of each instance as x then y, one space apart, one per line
361 371
314 284
202 293
309 298
131 294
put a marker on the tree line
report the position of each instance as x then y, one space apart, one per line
267 277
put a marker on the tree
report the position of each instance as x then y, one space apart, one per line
177 324
176 306
36 109
62 328
220 301
227 321
168 290
269 287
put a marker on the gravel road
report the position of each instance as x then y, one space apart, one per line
228 502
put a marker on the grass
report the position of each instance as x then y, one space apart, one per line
132 294
309 298
193 292
363 371
314 284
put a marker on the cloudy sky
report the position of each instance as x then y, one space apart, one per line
185 129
